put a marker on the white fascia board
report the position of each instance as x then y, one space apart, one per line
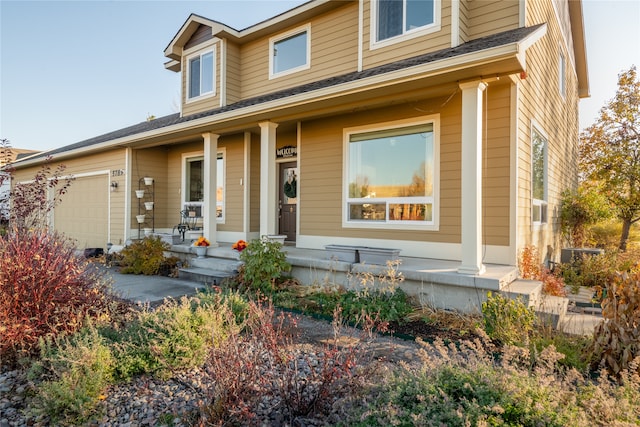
391 78
529 41
216 28
282 17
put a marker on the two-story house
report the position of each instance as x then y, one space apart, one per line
446 128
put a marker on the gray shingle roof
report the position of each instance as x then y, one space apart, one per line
492 41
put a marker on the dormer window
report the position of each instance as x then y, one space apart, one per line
201 74
290 52
397 18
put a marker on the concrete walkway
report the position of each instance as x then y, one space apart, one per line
150 289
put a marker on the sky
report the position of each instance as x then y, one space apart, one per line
72 70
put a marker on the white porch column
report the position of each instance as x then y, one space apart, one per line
210 185
472 178
268 208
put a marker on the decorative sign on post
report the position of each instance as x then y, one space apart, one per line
288 151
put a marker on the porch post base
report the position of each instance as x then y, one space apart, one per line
472 270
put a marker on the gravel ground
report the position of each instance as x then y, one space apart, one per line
177 401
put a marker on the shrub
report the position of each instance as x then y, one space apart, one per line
579 210
32 201
78 368
465 385
45 290
598 271
531 268
144 256
175 335
244 370
264 264
617 339
506 320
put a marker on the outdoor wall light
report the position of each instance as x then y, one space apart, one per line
114 185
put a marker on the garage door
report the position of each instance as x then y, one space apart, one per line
83 214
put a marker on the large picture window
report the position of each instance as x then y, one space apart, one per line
201 72
391 176
397 17
539 177
289 52
194 184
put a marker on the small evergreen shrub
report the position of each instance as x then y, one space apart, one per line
146 256
45 290
506 320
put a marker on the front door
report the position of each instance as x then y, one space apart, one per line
288 200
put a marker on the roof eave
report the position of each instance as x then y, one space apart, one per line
174 48
506 52
579 47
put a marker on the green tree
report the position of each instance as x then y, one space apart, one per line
581 208
610 151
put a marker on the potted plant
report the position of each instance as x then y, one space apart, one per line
201 246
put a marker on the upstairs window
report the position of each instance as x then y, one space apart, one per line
539 177
290 52
201 74
398 17
392 178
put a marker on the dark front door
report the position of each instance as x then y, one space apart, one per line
288 200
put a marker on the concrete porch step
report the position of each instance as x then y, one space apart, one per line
529 291
550 310
216 263
205 276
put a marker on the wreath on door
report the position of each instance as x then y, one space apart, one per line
291 189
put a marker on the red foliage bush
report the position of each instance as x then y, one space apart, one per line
531 268
45 290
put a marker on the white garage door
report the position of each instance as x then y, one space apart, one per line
83 214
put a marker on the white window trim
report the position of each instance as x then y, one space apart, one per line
205 95
427 29
542 203
395 225
275 39
183 184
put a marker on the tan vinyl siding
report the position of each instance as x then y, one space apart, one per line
491 17
151 162
407 48
233 72
554 116
496 165
464 21
334 51
234 160
206 102
321 166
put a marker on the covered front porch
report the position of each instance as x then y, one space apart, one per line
433 282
